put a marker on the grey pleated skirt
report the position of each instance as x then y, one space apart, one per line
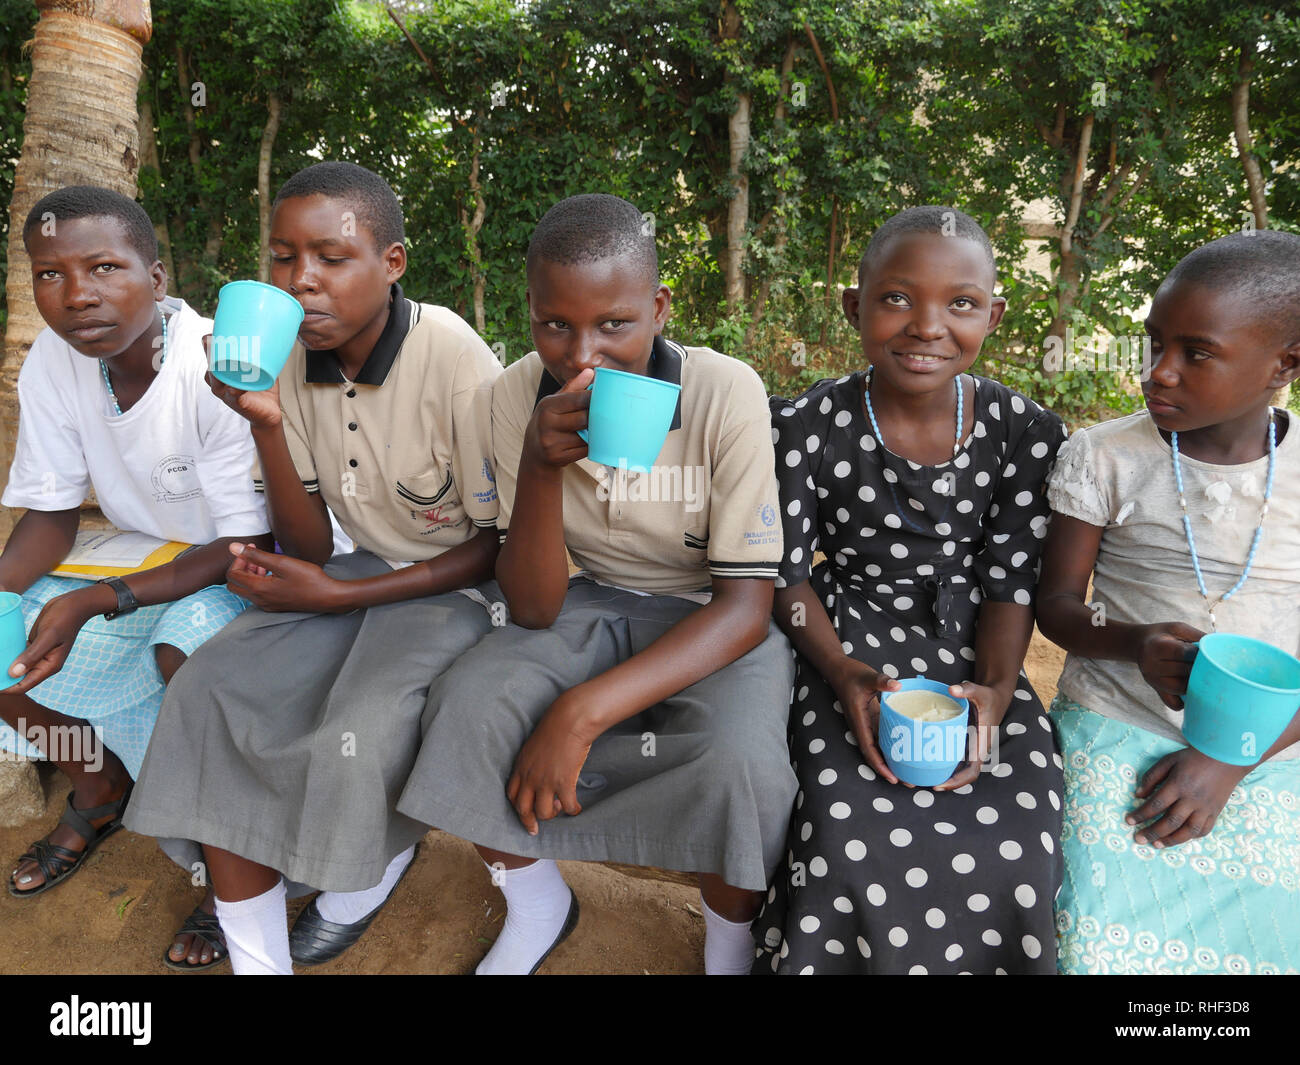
700 783
288 737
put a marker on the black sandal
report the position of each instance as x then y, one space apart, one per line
58 863
203 926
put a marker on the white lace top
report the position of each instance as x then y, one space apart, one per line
1119 475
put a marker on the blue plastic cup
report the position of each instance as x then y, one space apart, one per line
1241 695
253 333
13 635
628 420
923 753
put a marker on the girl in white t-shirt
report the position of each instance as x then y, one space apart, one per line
112 396
1176 862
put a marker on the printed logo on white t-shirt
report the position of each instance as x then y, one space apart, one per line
176 479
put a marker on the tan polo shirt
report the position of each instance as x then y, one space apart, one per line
708 506
403 454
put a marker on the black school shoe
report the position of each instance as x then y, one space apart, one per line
570 923
314 940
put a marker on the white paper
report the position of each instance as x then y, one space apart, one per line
109 548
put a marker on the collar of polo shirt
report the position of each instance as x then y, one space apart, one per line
323 366
666 360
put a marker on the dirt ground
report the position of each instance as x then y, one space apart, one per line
117 914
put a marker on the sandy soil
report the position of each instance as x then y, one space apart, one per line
116 915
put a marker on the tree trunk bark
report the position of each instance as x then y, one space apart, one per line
80 127
271 128
475 226
832 240
782 228
738 207
1070 273
149 159
1067 291
470 226
1246 143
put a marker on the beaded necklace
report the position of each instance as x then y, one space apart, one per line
893 491
1259 529
103 368
866 392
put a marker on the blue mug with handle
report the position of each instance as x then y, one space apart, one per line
1241 695
628 419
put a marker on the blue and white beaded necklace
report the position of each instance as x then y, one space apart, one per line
1259 529
866 392
103 367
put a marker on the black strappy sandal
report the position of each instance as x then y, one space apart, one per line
58 863
203 926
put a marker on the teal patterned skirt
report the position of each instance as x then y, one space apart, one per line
111 678
1226 903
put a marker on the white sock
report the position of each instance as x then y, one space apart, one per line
728 945
348 907
257 934
537 902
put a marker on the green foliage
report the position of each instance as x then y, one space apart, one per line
899 102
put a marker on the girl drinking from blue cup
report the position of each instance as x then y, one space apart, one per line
1186 517
924 487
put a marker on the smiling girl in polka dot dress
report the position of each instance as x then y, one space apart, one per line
924 487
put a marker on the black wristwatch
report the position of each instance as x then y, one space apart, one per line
126 602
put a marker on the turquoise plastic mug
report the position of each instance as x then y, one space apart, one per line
1241 694
628 419
13 636
253 333
923 753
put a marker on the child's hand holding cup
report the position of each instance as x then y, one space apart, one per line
923 731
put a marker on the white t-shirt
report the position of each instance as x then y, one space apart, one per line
177 465
1119 476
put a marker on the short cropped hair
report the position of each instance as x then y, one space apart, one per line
931 218
1261 267
591 228
373 198
91 201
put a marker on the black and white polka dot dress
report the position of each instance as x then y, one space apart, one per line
879 877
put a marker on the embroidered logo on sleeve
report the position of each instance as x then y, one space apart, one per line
768 533
176 479
489 495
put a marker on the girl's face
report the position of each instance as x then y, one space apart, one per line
92 288
587 315
324 257
1214 358
923 309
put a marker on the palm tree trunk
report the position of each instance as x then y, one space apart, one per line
80 129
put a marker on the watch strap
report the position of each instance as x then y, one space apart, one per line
126 601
